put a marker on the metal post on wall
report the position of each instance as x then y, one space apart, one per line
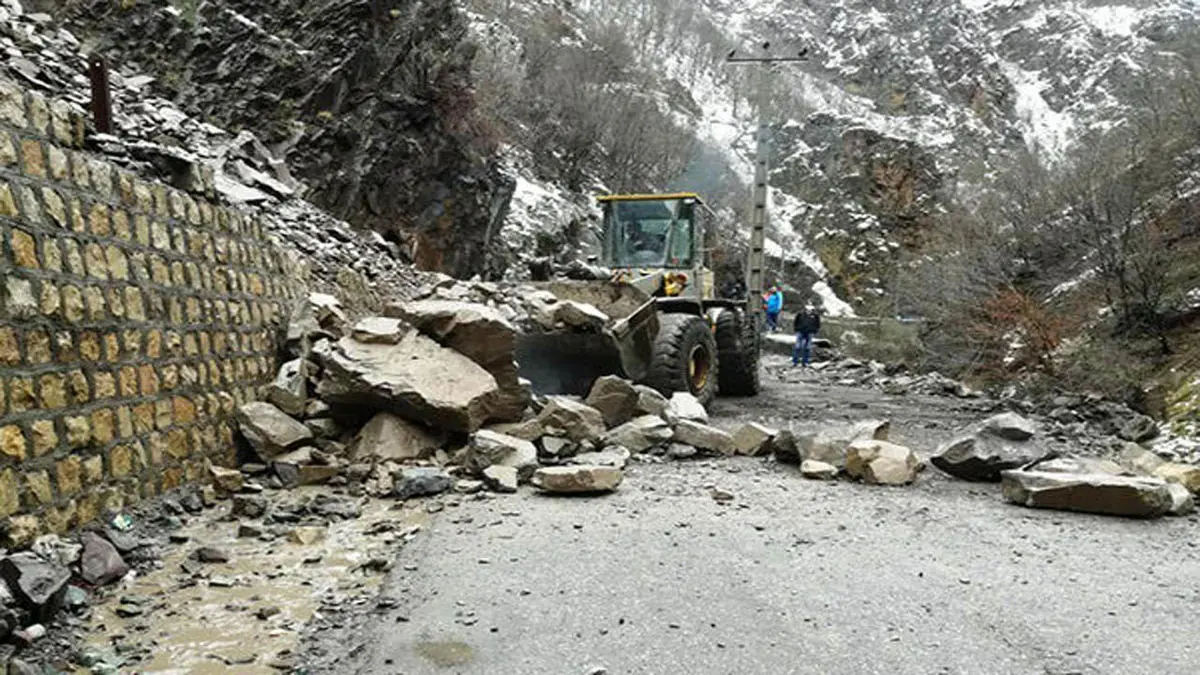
101 96
755 272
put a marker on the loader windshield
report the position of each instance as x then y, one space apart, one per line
648 233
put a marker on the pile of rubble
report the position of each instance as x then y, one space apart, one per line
48 590
426 398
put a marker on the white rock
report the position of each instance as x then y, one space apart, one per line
703 437
577 479
753 439
684 406
811 468
881 463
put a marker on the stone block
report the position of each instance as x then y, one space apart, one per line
43 436
68 475
25 249
13 443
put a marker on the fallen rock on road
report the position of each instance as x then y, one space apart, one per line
881 463
577 479
1134 497
984 450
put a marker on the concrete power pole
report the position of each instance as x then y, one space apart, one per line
755 278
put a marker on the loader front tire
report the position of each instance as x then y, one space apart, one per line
738 346
685 357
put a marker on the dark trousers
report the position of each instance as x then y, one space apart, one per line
802 349
772 321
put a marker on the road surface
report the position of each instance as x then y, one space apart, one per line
791 576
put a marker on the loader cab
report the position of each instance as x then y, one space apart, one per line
653 231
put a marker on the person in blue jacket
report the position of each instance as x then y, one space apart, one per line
774 305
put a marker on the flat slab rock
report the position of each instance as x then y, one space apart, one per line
37 584
1130 496
577 479
416 378
270 430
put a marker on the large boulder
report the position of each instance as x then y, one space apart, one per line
684 406
640 433
1131 496
830 445
703 437
388 437
881 463
269 430
1186 475
753 439
481 334
416 378
615 398
982 451
490 448
577 479
100 563
37 584
1139 460
579 421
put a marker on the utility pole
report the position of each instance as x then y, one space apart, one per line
759 193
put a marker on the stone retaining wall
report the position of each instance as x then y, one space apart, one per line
134 318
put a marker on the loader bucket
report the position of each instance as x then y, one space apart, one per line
567 362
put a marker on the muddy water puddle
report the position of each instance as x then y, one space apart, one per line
246 615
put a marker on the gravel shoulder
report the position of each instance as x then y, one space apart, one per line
792 576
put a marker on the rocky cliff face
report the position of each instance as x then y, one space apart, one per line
369 104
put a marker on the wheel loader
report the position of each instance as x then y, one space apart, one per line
667 329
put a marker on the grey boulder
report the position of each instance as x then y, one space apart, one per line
416 378
1130 496
269 430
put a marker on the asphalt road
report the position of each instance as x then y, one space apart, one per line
792 576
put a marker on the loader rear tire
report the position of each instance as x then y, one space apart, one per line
738 347
685 357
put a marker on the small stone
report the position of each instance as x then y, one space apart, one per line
248 531
307 535
684 406
811 468
211 554
501 478
249 506
227 480
420 482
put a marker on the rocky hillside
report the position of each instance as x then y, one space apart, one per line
369 104
471 136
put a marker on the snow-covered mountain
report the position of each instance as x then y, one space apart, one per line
903 107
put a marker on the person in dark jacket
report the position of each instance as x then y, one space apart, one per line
807 324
